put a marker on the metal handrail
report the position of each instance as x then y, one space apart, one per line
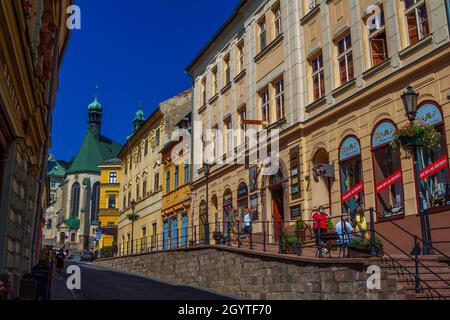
417 262
418 238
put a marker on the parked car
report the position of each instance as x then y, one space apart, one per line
87 256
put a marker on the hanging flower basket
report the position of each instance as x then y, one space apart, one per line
416 135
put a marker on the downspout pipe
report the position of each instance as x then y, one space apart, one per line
44 155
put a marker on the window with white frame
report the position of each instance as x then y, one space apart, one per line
241 57
262 34
265 105
277 21
377 40
113 177
416 20
242 115
279 99
228 134
227 70
345 59
317 76
214 81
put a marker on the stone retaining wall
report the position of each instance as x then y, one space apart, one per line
249 275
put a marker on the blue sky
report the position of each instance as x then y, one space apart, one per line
134 50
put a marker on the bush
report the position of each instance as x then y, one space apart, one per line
300 224
289 239
107 252
359 242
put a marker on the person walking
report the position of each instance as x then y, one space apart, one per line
60 258
42 276
6 292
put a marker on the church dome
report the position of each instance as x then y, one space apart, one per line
95 106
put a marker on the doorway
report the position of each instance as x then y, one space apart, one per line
320 186
277 195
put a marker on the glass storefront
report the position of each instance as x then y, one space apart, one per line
434 191
242 200
387 172
352 185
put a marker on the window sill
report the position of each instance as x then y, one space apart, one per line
202 108
377 69
310 14
416 47
226 88
316 104
277 124
389 219
268 48
214 98
240 75
347 86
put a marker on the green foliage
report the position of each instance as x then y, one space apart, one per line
360 242
300 224
106 252
330 225
132 217
418 134
289 239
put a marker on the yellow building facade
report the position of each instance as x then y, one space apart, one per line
109 203
176 202
142 174
329 75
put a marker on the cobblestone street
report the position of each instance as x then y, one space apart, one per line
102 284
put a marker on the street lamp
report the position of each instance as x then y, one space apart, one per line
207 169
133 218
410 99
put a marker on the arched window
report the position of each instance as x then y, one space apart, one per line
95 202
242 200
227 207
434 191
352 184
387 171
75 200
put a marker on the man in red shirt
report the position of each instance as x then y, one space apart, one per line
320 221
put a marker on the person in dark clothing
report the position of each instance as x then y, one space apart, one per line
41 274
60 257
6 293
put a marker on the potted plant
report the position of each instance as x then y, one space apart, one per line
300 230
289 243
416 134
360 248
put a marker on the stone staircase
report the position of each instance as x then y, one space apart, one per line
432 287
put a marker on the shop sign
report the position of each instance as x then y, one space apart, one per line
391 180
429 115
296 212
383 134
242 191
349 149
433 168
353 192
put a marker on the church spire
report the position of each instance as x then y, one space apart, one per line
95 110
139 118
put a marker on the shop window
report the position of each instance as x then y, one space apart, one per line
416 20
387 172
352 185
345 59
434 191
227 208
242 200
